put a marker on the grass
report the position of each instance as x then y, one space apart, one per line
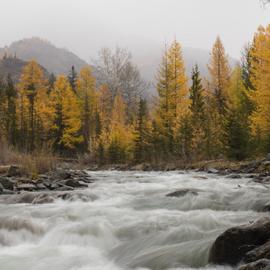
31 165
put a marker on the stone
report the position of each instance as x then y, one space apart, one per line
212 170
183 192
234 176
26 186
14 171
232 245
268 157
73 183
262 264
6 183
261 252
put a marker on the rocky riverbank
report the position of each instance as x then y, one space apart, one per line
247 246
13 182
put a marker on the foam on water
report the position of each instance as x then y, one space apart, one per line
130 224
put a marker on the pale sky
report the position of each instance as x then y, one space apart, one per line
84 26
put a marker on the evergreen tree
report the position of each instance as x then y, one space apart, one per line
11 118
237 131
198 119
72 78
141 133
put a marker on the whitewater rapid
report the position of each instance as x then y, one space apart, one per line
125 221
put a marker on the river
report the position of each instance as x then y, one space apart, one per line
124 220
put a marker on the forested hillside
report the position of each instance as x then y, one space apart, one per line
226 115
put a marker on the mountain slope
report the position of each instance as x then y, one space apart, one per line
13 66
56 60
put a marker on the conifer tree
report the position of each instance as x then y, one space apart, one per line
88 104
198 114
237 131
219 71
31 86
260 78
72 78
65 117
120 134
173 98
141 133
11 118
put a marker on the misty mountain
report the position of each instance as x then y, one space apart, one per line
13 66
56 60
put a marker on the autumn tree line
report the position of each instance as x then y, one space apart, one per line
109 119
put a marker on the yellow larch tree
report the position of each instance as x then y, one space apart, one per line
173 101
120 133
32 95
260 77
86 91
66 123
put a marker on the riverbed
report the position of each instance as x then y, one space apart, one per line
125 221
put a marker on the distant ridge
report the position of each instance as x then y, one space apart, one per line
13 66
55 60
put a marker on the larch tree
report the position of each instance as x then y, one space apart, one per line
86 92
32 85
173 99
260 68
66 124
219 71
120 134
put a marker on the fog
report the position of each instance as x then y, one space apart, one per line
84 26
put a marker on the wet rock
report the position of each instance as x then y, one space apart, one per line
42 199
61 174
212 170
26 186
234 176
41 186
231 246
268 157
74 183
262 264
14 171
183 192
261 252
6 183
1 189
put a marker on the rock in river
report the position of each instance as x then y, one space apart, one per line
231 247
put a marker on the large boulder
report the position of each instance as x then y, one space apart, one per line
6 183
231 246
14 171
261 252
262 264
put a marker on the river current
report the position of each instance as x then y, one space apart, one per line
125 221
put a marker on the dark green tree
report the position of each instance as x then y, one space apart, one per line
72 78
141 133
11 120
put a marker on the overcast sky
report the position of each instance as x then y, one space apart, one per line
84 26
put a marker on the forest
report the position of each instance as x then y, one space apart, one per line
108 117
